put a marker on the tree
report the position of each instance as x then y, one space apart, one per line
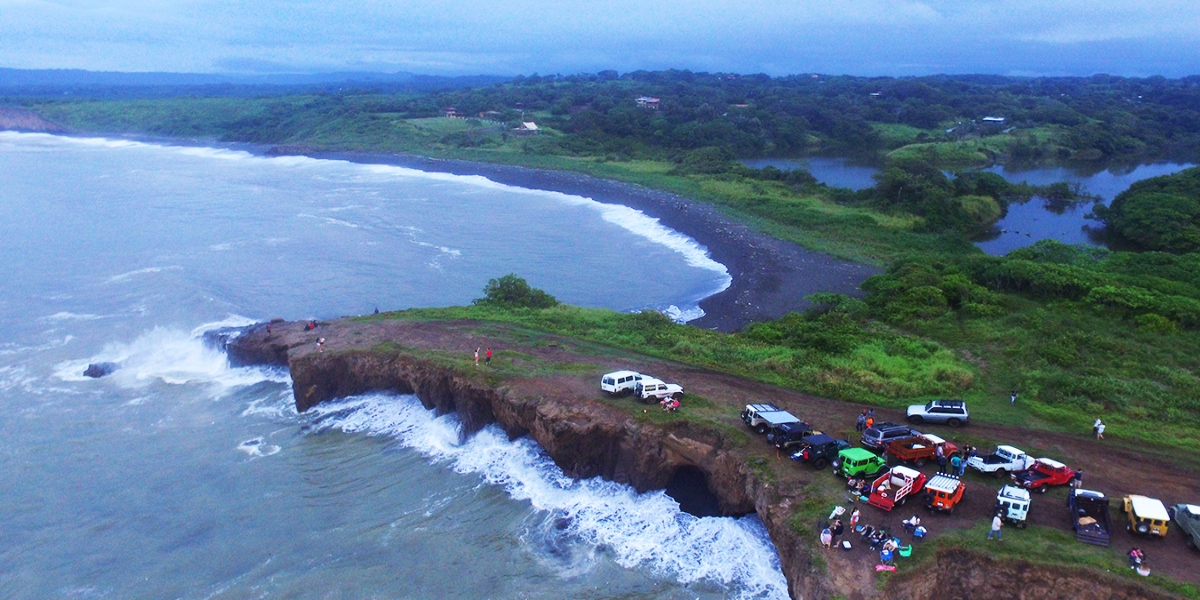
511 291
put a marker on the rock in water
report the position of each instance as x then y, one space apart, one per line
100 369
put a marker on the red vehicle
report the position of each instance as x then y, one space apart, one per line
1044 473
895 487
918 450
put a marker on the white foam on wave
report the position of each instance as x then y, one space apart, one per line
9 348
173 356
330 220
146 271
69 316
646 531
630 219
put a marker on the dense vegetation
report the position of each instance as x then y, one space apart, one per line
1162 213
1082 332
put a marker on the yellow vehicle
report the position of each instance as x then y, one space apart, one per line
1147 516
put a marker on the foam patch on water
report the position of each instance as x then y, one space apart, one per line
69 316
9 348
173 356
257 448
645 531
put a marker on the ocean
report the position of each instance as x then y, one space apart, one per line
180 477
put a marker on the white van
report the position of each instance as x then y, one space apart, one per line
620 382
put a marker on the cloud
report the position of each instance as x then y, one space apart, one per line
525 36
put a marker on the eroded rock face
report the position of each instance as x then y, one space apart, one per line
960 573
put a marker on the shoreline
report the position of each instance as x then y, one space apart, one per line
770 276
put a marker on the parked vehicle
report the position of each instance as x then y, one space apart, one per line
651 389
1147 516
751 416
919 450
858 462
949 412
819 449
1005 460
789 435
1089 516
943 492
1044 473
895 487
880 434
620 382
1187 516
1013 505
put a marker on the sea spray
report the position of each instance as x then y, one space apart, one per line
172 356
640 530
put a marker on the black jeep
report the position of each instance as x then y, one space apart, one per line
786 435
819 449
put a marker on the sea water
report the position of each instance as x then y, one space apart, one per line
180 477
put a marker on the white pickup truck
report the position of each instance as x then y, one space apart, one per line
1005 460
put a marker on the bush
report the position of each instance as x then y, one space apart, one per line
511 291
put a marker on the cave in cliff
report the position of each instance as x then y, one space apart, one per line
689 487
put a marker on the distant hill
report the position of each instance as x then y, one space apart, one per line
107 84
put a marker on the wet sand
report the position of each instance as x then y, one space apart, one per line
770 276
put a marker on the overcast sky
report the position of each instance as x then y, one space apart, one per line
862 37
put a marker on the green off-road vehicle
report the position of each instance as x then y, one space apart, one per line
858 462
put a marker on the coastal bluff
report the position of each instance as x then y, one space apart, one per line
547 387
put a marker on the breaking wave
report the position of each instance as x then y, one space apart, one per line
172 356
645 531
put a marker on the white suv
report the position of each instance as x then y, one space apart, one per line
950 412
651 388
620 382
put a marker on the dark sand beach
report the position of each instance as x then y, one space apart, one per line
770 276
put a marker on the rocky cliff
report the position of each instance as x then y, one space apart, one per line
588 437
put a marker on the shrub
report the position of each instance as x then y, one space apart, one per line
511 291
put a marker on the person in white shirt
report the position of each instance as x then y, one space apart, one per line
996 524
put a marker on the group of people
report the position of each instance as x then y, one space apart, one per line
487 357
669 404
956 463
877 539
865 419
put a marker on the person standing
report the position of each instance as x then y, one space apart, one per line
477 357
940 451
956 465
1099 430
1077 479
1013 398
861 423
826 538
854 518
487 360
996 524
870 421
